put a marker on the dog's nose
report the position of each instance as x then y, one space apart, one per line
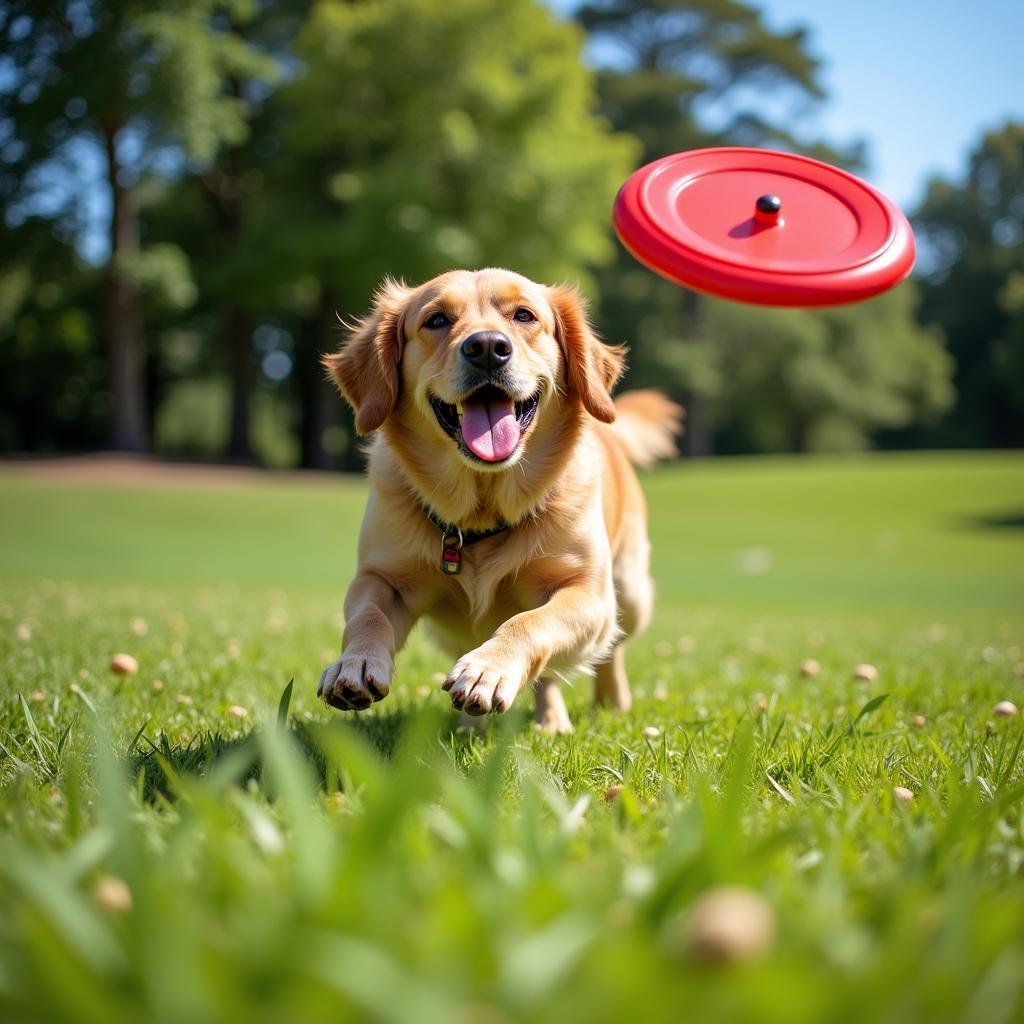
487 350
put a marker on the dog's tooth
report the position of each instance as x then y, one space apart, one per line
458 409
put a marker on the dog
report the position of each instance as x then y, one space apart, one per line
503 507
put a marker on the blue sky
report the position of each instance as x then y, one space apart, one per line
919 81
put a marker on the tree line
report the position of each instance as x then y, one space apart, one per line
195 192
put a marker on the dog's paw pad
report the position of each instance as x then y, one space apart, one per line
354 682
478 689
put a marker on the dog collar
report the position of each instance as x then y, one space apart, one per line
453 539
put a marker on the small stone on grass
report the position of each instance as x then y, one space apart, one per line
123 665
112 894
918 721
902 794
612 793
809 668
865 673
238 711
1005 709
651 732
729 924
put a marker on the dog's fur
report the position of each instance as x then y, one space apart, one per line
563 587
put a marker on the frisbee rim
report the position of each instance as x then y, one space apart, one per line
696 261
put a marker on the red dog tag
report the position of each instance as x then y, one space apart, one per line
451 554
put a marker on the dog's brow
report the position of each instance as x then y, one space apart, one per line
450 300
442 304
511 295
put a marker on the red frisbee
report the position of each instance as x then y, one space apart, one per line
760 226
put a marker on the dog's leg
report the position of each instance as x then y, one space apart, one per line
574 625
611 687
551 714
376 625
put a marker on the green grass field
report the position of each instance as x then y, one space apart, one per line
170 852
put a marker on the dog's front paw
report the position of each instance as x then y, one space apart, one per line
478 685
355 681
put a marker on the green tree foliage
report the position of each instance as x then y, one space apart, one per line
699 72
265 162
800 380
423 136
710 72
53 392
142 83
972 237
450 134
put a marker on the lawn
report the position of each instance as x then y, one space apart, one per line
196 843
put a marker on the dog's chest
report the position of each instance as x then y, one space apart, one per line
463 611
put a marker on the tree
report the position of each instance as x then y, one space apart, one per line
683 74
51 360
805 380
138 82
972 244
424 135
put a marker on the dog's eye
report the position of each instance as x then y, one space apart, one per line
436 321
524 315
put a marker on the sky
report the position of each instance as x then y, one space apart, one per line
919 81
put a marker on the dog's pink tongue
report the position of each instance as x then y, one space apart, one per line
490 429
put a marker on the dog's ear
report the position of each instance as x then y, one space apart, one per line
591 367
366 367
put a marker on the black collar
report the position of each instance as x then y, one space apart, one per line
466 536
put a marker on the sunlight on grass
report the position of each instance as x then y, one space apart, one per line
195 843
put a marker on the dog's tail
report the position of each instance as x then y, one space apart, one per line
647 424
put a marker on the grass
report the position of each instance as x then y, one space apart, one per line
162 858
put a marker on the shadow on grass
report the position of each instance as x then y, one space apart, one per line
1007 520
161 765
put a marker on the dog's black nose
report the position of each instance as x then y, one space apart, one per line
487 350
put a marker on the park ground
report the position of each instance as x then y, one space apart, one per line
198 842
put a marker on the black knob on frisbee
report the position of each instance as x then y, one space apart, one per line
766 210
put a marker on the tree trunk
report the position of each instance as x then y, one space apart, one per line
122 315
800 435
240 349
698 439
321 405
232 222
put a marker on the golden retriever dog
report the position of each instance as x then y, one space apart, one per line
503 508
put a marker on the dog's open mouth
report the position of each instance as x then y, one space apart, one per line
488 424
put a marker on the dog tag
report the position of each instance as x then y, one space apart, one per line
451 554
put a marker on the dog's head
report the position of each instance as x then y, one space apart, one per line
481 358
